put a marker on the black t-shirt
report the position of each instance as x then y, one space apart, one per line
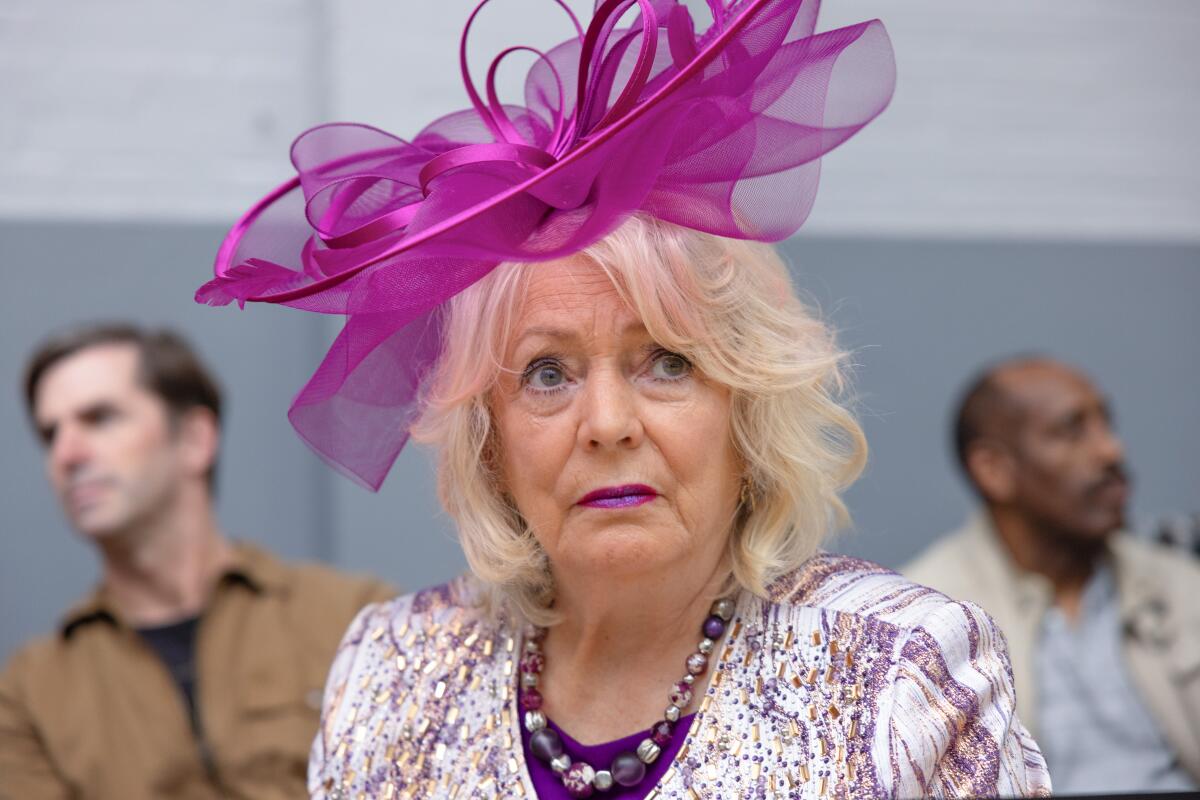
175 644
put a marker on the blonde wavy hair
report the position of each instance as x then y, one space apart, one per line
726 305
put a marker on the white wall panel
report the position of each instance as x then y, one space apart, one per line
1072 119
1067 119
150 109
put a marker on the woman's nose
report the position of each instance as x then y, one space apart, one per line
610 412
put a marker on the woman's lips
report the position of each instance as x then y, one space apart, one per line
619 496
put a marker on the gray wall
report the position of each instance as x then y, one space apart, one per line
918 315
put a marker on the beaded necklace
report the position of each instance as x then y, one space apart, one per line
628 768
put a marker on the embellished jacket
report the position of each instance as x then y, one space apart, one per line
847 681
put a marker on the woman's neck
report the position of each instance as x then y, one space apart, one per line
622 645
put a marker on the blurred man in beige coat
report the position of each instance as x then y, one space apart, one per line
1103 629
195 668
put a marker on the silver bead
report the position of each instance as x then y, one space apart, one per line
672 713
529 680
648 751
705 646
561 763
689 678
723 608
534 721
603 780
532 647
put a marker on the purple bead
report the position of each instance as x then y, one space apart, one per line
662 732
697 663
627 769
531 700
545 744
533 662
681 695
577 780
714 626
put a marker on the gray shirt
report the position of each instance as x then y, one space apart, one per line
1096 733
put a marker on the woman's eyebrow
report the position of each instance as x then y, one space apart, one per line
545 332
634 326
569 337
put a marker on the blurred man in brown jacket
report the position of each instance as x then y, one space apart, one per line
195 669
1103 629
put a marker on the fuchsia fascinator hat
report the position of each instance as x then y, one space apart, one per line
719 130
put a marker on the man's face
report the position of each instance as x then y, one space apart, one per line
1069 472
111 453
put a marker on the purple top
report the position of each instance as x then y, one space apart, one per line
549 787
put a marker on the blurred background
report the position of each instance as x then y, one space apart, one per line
1034 186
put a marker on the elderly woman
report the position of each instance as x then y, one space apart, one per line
640 440
642 450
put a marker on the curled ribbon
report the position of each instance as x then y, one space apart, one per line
510 146
600 63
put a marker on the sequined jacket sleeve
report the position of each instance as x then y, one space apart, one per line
353 659
949 728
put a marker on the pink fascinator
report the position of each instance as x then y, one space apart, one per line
719 130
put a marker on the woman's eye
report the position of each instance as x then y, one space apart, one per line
546 376
670 366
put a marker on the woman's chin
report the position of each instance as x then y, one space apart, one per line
620 548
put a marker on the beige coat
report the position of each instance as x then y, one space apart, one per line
91 713
1159 595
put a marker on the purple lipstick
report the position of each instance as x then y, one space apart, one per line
633 494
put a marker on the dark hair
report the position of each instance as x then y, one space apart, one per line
168 367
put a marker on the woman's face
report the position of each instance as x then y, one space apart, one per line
616 451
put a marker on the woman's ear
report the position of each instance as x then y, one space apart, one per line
489 453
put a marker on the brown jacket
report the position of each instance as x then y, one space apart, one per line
92 712
1157 591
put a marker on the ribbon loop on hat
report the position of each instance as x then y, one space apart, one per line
532 157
